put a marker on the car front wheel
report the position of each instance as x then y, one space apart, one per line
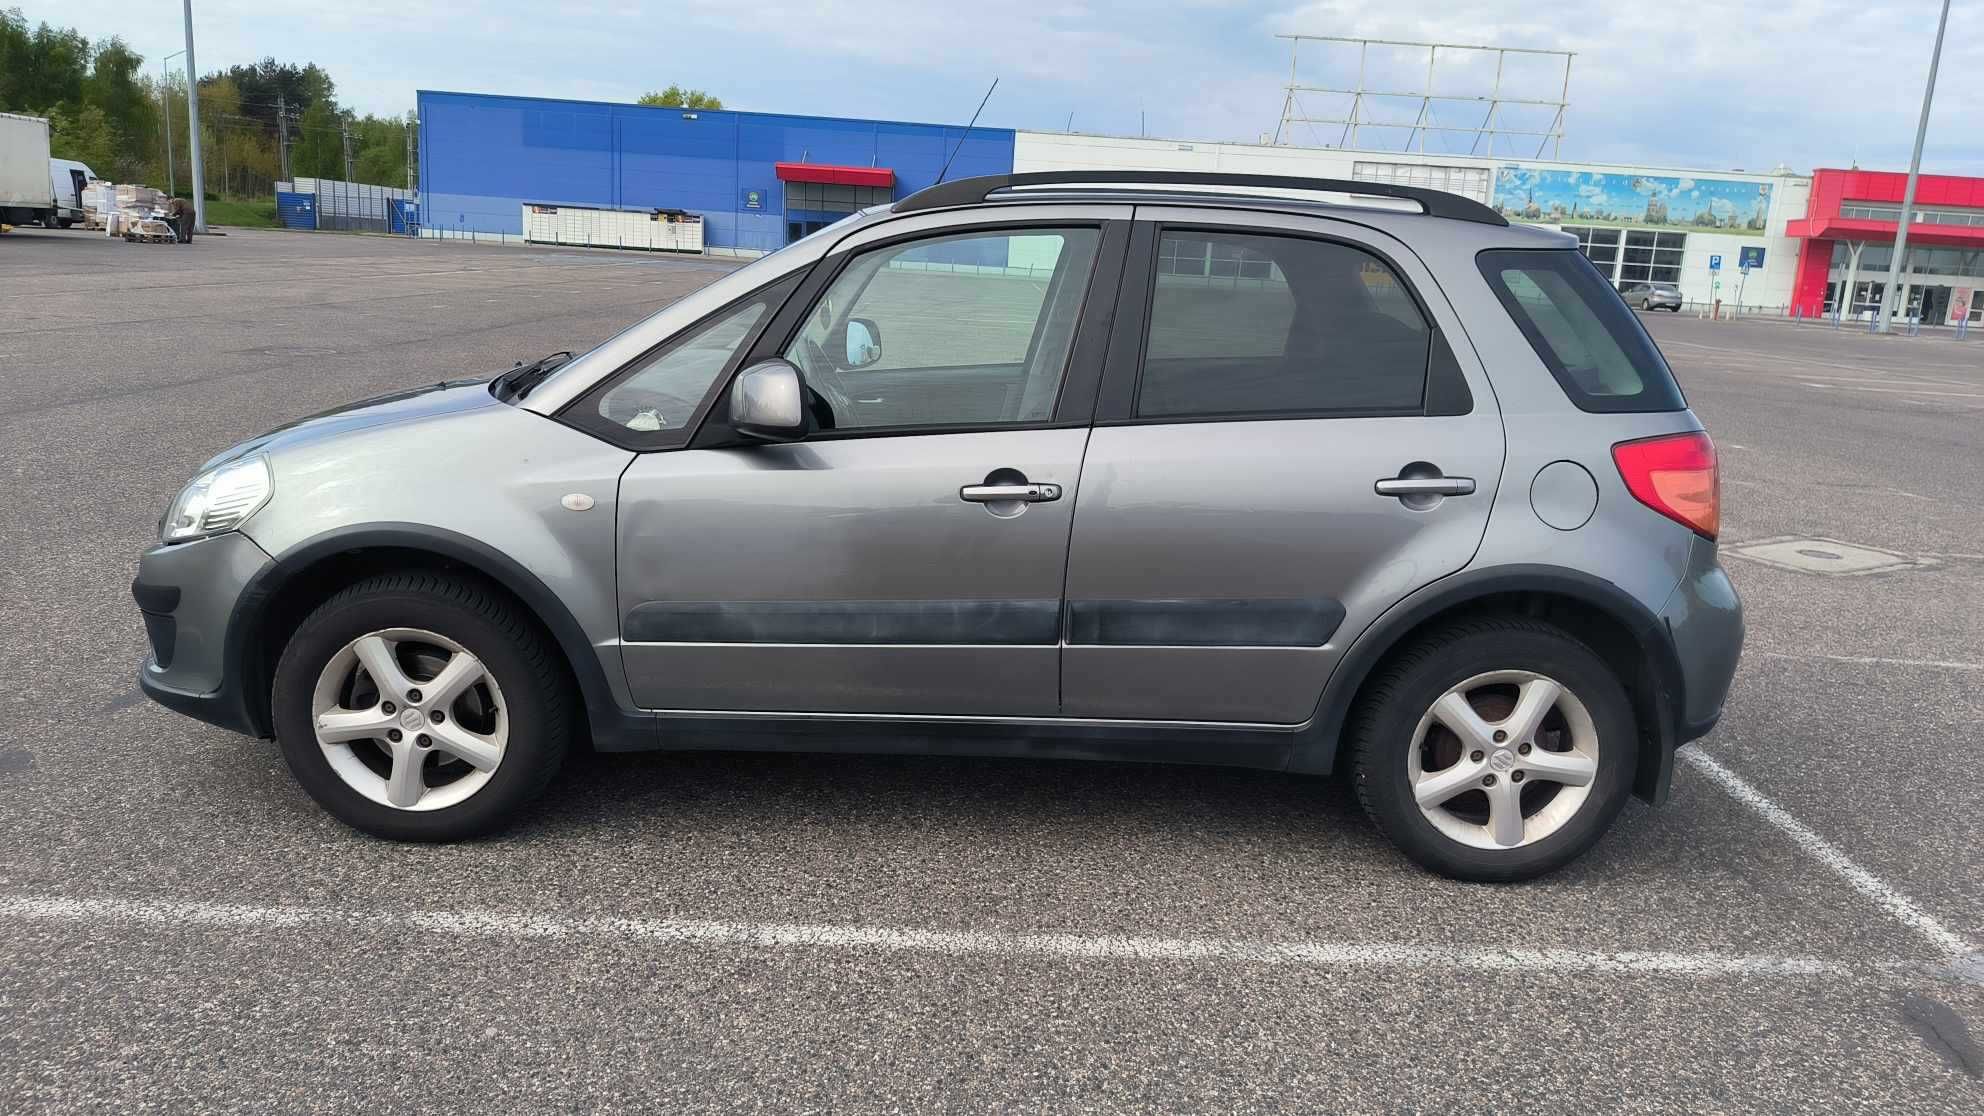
1496 750
422 707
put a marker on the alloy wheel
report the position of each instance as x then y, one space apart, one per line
410 719
1503 759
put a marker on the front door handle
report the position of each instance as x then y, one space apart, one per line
1425 486
1009 493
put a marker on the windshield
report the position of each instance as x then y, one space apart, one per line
637 338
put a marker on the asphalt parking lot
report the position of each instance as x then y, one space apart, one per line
181 929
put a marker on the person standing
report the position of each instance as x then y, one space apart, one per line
180 212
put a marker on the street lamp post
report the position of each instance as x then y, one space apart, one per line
165 107
193 126
1908 192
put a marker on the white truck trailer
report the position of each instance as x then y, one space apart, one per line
27 195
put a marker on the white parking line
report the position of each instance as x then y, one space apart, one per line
1872 660
1866 883
778 935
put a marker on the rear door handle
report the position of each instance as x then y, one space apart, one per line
1007 493
1425 486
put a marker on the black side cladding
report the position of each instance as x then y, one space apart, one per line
849 622
1204 623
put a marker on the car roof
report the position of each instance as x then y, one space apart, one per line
1407 213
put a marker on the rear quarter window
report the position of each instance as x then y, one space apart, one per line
1581 329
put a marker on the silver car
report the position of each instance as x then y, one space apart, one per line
1654 296
1306 475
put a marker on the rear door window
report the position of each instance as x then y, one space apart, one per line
1254 325
1583 331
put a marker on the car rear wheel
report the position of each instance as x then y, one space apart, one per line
421 707
1496 750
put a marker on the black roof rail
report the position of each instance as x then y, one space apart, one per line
971 191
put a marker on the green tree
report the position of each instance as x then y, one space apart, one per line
40 69
318 151
267 81
677 97
83 134
115 87
379 151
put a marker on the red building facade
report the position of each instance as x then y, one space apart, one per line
1848 234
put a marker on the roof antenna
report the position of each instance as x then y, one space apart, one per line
967 132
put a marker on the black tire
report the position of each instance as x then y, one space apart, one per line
534 681
1394 700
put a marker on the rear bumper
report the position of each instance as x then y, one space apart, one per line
190 596
1704 617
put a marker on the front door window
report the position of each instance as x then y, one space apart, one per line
957 332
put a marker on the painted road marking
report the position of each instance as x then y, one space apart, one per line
778 935
1825 852
1900 391
1873 660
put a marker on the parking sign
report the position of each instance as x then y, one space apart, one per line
1715 263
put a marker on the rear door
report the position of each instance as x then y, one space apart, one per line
1292 434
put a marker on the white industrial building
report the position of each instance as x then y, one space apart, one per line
1636 223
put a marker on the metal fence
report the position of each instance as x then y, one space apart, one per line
1862 321
356 206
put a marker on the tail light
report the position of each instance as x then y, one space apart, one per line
1675 475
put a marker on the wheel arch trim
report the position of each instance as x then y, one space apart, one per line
609 722
1316 750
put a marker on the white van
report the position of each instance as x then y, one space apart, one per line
68 177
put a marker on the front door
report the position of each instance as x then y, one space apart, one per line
909 557
1304 439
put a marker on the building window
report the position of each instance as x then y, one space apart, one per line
1922 260
1883 211
1601 246
826 197
1468 182
1652 257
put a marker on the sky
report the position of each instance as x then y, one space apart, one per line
1707 84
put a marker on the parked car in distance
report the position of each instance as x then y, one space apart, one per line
1654 296
1146 466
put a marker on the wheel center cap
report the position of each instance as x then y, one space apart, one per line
410 719
1502 760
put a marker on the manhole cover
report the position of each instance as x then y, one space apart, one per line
1826 556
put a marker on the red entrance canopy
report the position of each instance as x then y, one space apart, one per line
836 176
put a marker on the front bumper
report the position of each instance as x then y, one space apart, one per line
193 597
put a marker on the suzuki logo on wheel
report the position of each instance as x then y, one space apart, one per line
410 719
1502 760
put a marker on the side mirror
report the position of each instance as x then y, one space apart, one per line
768 402
864 343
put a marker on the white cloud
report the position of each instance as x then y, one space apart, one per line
1708 83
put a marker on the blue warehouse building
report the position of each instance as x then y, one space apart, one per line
758 180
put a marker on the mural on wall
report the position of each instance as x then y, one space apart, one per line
1647 200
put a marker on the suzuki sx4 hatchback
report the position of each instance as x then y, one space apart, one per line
1316 476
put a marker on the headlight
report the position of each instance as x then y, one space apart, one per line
217 500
